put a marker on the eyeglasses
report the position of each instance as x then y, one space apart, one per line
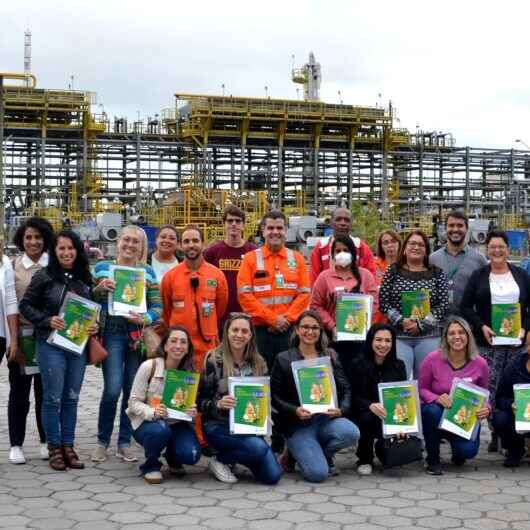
314 329
500 247
416 244
234 221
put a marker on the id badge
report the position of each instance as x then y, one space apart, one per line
279 281
207 309
450 291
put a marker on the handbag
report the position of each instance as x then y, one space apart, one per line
96 353
393 452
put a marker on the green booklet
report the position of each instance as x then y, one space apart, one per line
506 324
521 394
461 418
315 384
180 393
79 314
130 291
28 346
252 413
353 316
415 304
402 404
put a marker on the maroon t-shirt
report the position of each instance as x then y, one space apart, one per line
228 259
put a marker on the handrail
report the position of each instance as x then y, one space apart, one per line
20 77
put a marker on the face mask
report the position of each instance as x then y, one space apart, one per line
343 259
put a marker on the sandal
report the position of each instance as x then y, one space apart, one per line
56 459
71 458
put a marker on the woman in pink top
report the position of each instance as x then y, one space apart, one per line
458 358
344 276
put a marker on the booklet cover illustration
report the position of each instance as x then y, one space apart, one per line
415 304
506 323
180 393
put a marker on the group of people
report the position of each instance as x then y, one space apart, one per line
234 309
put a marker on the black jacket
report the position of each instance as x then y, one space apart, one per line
212 387
476 303
285 397
514 374
365 375
44 297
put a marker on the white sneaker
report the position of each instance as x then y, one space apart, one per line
100 454
44 454
364 469
16 455
154 477
127 454
221 471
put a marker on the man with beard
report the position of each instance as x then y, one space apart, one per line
341 222
195 295
457 259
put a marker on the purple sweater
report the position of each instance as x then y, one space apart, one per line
436 375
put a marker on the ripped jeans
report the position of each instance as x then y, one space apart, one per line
62 375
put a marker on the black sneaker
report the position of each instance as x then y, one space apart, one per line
493 446
434 469
457 461
512 461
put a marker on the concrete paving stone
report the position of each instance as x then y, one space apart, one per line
111 497
144 526
321 525
308 498
89 515
131 517
237 504
102 525
440 504
39 502
344 518
69 485
93 479
56 524
144 489
326 507
397 486
72 495
517 507
27 483
165 509
160 498
24 493
86 504
352 500
480 506
177 520
440 487
120 507
299 516
178 492
13 520
121 473
517 490
273 524
366 526
209 512
9 476
439 522
464 513
46 513
282 506
417 495
226 494
501 498
375 493
415 512
255 514
371 510
197 501
224 522
207 483
266 496
521 525
394 502
293 487
508 515
486 524
333 490
11 509
460 496
391 521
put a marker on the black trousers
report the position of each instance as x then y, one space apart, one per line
348 351
512 441
18 404
371 430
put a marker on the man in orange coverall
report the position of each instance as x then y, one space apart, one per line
273 287
195 295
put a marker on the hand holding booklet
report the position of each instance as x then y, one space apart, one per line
521 394
315 384
130 291
78 314
252 413
506 324
402 405
353 316
180 393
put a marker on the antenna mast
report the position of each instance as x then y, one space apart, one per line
27 55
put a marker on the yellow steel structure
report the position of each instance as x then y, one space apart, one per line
207 119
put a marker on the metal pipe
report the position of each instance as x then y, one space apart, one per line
20 77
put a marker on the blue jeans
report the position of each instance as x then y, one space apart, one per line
178 439
314 443
461 448
119 369
62 375
249 450
413 351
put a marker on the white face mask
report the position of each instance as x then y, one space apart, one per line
343 259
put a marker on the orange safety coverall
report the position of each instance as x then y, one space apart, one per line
197 309
272 284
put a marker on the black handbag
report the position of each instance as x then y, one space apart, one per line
393 452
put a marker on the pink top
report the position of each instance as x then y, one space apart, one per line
329 284
436 375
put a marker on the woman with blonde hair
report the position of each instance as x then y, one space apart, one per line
457 358
236 356
119 335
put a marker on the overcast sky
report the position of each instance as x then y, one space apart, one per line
460 67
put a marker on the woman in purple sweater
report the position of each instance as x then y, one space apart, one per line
458 358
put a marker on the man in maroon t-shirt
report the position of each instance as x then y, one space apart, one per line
227 255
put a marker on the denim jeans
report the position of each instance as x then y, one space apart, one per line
461 448
119 369
249 450
62 375
413 351
178 439
312 444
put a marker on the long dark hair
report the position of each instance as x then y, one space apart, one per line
42 226
369 354
322 344
350 245
186 362
402 258
81 268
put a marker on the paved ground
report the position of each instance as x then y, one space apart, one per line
112 495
